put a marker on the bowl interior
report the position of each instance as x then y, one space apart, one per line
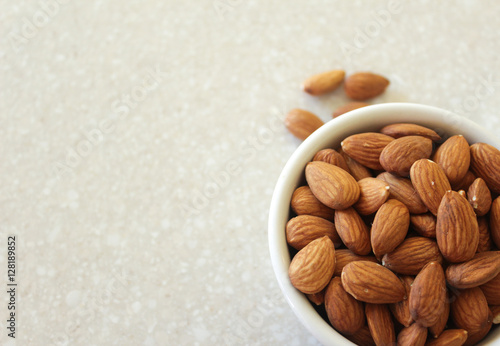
371 118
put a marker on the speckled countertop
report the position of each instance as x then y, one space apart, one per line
140 142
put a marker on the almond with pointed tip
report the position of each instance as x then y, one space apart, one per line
414 335
362 337
436 329
450 337
332 157
430 182
399 155
303 229
331 185
491 290
389 227
365 85
469 310
475 272
345 256
485 163
401 310
345 313
485 243
453 156
372 283
348 107
412 255
405 129
358 171
402 189
317 298
324 82
373 193
424 224
366 148
495 311
474 338
312 267
353 231
479 197
462 193
380 324
304 203
495 222
302 123
457 231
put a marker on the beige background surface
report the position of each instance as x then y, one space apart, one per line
140 142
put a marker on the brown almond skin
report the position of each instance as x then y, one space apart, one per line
348 107
485 163
453 156
436 329
373 193
491 290
401 310
380 324
457 231
312 267
353 231
317 298
304 203
402 189
302 123
345 313
324 82
372 283
365 85
479 197
495 222
412 255
303 229
465 183
332 157
406 129
424 224
428 295
469 310
475 272
399 155
358 171
450 337
474 338
430 182
345 256
332 185
414 335
366 148
485 243
389 227
362 337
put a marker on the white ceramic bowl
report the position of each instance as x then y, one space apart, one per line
371 118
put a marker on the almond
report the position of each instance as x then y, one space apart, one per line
402 190
358 171
324 82
302 123
349 107
380 324
474 338
495 222
469 310
485 243
405 129
453 156
362 337
479 197
345 313
457 231
332 157
373 193
491 290
424 224
372 283
462 193
436 329
430 182
312 267
428 295
399 155
317 298
401 310
331 185
303 229
465 183
414 335
495 311
365 85
304 203
345 256
412 255
475 272
450 337
485 163
366 148
390 227
353 231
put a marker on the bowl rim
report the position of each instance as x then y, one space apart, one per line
364 119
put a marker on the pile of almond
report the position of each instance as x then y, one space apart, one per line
395 238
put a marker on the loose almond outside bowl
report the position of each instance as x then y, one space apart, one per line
371 118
